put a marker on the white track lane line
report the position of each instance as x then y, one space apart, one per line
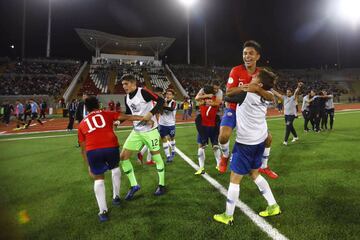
255 218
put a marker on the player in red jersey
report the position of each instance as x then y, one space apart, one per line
208 129
100 150
240 75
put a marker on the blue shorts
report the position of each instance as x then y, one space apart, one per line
246 157
208 133
229 118
103 159
167 131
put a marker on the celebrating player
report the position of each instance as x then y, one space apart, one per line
139 101
100 150
240 75
207 129
167 125
251 134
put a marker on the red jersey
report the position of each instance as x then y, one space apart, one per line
208 115
96 130
238 76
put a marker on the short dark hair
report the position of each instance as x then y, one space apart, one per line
253 44
267 78
92 103
208 89
216 83
128 77
171 90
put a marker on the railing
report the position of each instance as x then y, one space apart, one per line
73 83
178 84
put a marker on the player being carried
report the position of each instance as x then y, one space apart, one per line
100 150
167 121
247 152
139 101
238 76
207 126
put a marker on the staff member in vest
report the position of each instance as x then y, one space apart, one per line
72 110
289 101
139 101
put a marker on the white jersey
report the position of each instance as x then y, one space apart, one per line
167 118
251 126
305 103
329 104
140 107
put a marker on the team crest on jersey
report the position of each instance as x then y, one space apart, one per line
230 80
229 114
133 107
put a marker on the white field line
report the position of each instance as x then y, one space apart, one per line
255 218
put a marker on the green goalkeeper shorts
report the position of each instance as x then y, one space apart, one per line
136 140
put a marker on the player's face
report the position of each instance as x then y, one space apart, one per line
169 96
312 93
129 86
216 88
250 57
288 93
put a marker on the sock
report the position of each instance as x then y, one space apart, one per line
99 189
172 143
201 157
232 197
166 149
148 156
116 178
143 150
160 168
128 169
265 158
217 154
225 148
265 190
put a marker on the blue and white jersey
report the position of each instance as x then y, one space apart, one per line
251 126
34 107
168 118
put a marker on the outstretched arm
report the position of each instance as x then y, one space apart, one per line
276 93
255 88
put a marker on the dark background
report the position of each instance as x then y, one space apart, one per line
293 33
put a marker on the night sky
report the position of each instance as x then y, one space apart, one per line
293 33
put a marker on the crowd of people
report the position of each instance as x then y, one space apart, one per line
37 77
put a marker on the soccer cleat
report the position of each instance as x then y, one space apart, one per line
151 162
160 190
131 192
140 157
200 171
271 211
295 139
267 171
285 143
169 159
103 217
116 201
224 218
223 164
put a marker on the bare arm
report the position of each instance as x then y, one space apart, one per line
255 88
127 117
277 94
234 91
201 96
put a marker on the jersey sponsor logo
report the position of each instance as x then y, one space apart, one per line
229 114
134 108
230 80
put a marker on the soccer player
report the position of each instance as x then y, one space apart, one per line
139 101
251 134
167 125
34 113
207 129
305 111
329 108
19 110
100 150
289 100
240 75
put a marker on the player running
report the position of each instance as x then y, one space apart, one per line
207 129
251 134
34 113
167 125
240 75
100 150
139 101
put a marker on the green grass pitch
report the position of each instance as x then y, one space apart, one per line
318 190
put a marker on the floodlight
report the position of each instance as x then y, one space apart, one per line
349 10
188 3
